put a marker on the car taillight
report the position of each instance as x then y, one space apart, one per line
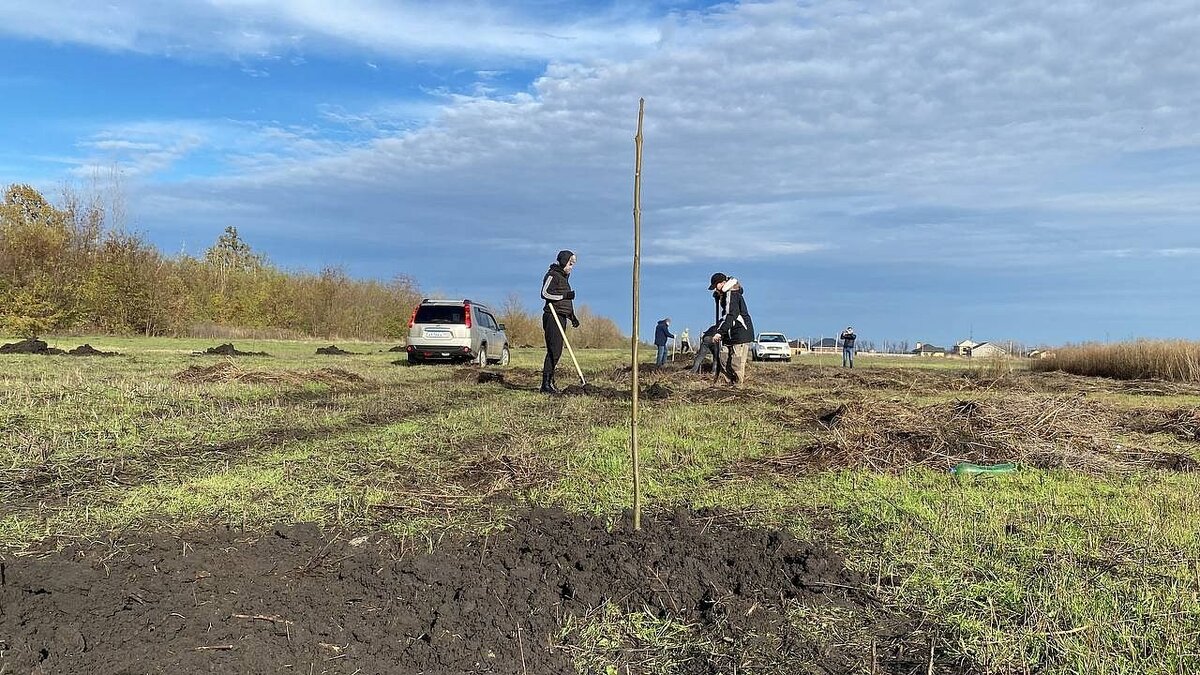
413 319
467 310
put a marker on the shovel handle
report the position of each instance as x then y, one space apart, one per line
563 332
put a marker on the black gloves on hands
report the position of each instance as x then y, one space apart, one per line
574 320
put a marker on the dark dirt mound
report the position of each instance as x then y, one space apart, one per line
332 350
291 599
398 348
487 376
657 392
88 350
228 349
30 346
620 373
594 390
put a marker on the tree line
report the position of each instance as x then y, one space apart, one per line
73 266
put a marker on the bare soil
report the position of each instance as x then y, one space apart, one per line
39 347
295 599
333 350
228 349
30 346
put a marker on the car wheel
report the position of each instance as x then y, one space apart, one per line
482 361
504 356
414 361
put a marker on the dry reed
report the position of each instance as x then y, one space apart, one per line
1171 360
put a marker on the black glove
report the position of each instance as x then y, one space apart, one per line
569 295
574 321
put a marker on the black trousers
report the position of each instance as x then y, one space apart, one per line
554 342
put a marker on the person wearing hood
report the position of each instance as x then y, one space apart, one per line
662 333
736 328
848 337
556 291
707 346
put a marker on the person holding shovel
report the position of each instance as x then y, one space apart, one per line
736 330
662 333
559 309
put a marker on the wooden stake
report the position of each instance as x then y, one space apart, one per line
637 271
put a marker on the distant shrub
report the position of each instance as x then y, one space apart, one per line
1174 360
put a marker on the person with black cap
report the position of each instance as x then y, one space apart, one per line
736 330
556 291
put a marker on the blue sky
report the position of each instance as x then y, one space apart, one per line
921 170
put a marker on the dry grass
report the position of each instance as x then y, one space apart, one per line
1171 360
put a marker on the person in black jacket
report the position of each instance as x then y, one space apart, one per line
556 291
662 333
707 346
848 337
736 330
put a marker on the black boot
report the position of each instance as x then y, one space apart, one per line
548 382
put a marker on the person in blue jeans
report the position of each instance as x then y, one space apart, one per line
662 333
848 337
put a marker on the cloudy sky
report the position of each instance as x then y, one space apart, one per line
921 169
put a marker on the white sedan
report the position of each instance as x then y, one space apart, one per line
771 346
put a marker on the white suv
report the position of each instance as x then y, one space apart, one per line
456 331
771 346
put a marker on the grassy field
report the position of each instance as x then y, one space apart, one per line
1086 560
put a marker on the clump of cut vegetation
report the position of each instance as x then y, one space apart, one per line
1171 360
1047 432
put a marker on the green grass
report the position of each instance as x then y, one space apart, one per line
1052 571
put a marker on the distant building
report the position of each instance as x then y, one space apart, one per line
924 349
826 345
985 350
964 348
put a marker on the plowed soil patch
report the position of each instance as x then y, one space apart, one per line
297 600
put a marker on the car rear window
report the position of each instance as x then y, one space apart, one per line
440 314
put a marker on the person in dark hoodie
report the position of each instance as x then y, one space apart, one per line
736 330
556 291
707 346
662 333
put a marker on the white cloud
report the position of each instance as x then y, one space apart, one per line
912 131
256 28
